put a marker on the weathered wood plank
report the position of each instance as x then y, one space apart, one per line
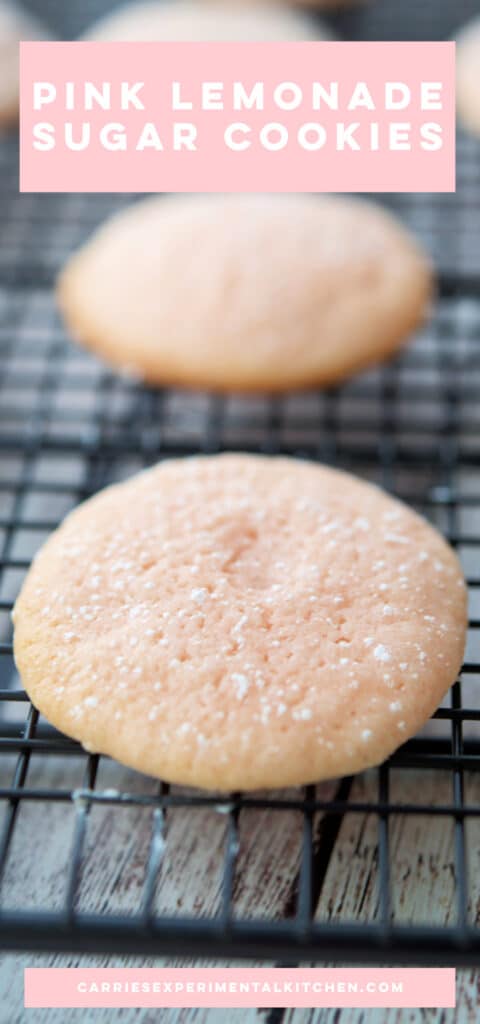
422 862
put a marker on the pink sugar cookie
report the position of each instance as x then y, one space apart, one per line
239 622
246 292
468 76
15 24
210 21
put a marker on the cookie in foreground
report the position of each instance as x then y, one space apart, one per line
246 292
240 622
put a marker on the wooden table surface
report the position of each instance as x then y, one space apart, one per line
422 860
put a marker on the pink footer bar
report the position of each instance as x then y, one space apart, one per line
238 987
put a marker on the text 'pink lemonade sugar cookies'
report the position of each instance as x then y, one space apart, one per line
191 20
239 622
246 292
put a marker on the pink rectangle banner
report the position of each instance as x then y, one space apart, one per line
240 987
229 117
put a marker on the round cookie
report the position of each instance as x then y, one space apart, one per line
331 5
238 622
184 20
246 292
15 25
468 76
319 5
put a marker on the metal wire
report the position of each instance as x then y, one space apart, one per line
68 427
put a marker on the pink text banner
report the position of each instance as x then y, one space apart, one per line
239 987
228 117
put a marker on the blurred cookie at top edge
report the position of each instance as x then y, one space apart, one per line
319 5
196 21
16 25
468 76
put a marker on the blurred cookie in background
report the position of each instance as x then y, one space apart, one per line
468 76
191 20
15 25
320 5
246 292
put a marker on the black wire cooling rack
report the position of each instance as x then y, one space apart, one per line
408 832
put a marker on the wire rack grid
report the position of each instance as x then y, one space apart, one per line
381 868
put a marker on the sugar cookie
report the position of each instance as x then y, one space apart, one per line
319 5
15 25
238 622
468 76
184 20
246 292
